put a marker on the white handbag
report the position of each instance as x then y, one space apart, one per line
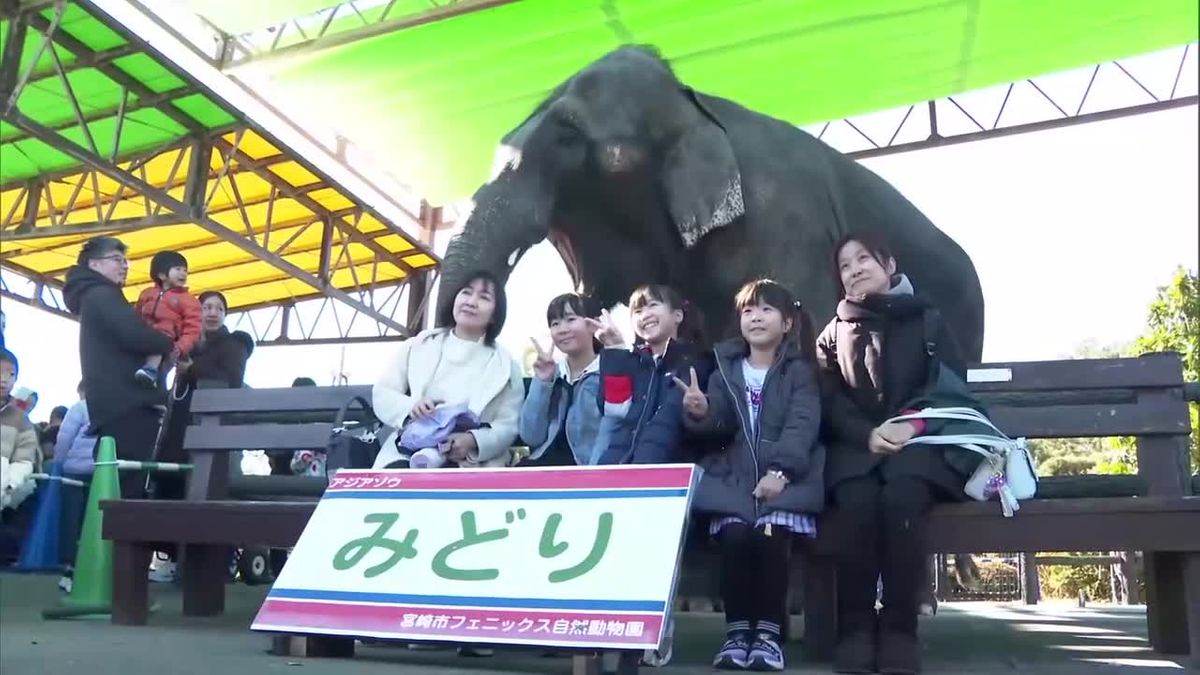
1007 469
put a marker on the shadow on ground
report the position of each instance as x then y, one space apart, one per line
963 638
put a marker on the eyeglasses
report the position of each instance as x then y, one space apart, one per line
116 257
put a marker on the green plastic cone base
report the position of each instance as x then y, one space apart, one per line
91 592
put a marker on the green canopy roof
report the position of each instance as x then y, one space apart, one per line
433 99
128 102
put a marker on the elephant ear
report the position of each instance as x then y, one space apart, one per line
508 153
701 177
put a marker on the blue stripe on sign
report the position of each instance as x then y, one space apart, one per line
506 494
461 601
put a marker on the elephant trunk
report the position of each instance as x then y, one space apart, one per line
511 214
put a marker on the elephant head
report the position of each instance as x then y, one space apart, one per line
621 167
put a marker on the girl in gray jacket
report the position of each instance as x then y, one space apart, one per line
766 481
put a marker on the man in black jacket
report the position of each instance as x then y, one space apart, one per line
113 344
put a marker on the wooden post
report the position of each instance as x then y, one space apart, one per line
312 646
203 575
1159 458
131 599
1030 582
1191 572
1129 569
1163 465
941 578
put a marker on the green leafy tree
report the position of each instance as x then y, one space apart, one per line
1173 325
1081 456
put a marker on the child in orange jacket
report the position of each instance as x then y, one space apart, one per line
170 309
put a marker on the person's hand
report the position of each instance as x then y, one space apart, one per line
769 486
544 368
878 444
605 330
183 365
897 432
695 403
459 446
423 408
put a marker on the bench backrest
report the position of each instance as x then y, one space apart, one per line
229 420
1098 398
1141 397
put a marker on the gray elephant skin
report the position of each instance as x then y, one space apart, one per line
636 178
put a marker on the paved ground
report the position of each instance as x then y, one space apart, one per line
964 638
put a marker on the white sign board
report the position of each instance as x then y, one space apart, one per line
570 557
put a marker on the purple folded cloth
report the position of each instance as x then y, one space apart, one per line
430 430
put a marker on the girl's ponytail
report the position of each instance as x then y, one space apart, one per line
804 333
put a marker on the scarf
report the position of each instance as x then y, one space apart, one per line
866 319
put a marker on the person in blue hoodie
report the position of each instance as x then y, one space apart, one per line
637 390
639 396
561 418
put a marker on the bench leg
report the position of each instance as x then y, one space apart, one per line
587 664
1166 604
131 593
312 646
1191 581
1030 583
820 607
628 663
203 576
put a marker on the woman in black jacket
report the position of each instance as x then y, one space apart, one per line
218 360
764 482
874 360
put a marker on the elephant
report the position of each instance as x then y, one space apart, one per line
637 178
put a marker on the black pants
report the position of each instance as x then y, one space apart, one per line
135 432
754 577
74 508
884 528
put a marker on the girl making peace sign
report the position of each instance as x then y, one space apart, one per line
561 419
766 480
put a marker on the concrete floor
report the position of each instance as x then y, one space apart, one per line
963 638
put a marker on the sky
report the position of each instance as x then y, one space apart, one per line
1072 232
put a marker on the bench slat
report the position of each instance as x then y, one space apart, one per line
257 437
284 399
1076 421
276 524
1151 370
1105 524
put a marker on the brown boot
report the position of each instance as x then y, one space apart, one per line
855 653
899 654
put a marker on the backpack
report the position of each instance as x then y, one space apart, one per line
353 444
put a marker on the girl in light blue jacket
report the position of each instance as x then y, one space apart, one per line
74 448
561 419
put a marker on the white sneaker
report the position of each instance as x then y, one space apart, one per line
162 569
657 658
66 583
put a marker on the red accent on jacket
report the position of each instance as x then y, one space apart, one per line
173 312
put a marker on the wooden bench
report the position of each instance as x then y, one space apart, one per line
1152 511
1156 511
223 509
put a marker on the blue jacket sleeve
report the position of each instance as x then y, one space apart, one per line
534 425
658 441
71 427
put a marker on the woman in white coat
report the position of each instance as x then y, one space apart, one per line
458 363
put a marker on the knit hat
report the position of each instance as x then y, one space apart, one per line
163 261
